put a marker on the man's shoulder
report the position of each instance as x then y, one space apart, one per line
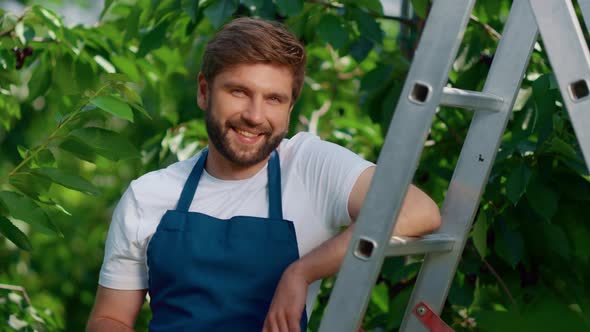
164 180
291 147
313 148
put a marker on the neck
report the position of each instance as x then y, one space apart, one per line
218 166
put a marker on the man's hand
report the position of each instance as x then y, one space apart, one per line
288 302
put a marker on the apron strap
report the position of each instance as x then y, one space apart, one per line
190 186
275 202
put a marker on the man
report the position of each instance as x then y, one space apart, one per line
238 237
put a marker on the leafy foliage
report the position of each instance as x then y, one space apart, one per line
16 314
83 110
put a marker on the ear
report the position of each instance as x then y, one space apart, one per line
203 92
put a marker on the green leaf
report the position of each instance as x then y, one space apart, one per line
69 180
368 26
517 182
22 151
191 7
253 3
361 48
41 80
376 77
219 11
49 17
25 209
509 246
556 240
63 75
14 234
133 23
154 38
492 8
127 66
373 6
130 94
380 297
562 148
114 106
45 158
7 60
545 312
19 30
391 266
289 7
398 306
331 30
79 149
421 7
107 6
85 75
3 208
107 143
30 184
542 199
461 292
581 244
406 272
480 234
133 98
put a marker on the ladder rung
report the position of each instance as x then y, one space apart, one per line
471 100
405 245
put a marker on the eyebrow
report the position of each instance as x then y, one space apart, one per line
231 85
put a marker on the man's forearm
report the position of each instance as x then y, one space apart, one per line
326 259
107 324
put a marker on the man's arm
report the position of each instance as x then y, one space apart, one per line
115 310
419 215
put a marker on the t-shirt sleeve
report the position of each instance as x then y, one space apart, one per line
124 265
330 172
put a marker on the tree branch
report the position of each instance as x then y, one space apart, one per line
403 20
491 31
500 281
316 115
18 289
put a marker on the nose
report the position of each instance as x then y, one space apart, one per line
254 114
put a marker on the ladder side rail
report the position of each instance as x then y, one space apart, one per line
396 164
475 162
585 9
570 59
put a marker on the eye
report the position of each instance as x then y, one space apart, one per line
238 92
275 100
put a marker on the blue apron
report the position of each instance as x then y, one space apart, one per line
210 274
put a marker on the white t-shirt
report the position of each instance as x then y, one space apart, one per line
316 178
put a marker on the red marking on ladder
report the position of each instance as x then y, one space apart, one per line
431 320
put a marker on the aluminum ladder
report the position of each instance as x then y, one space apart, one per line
424 91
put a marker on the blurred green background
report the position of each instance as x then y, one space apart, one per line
86 107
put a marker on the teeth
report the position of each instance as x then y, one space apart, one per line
245 133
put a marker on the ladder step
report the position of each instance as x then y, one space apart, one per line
471 100
405 245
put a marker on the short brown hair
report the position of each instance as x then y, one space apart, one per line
250 40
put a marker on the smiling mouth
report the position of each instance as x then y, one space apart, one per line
246 133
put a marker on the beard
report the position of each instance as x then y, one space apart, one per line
218 135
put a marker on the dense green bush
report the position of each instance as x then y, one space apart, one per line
84 110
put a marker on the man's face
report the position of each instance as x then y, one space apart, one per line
247 110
